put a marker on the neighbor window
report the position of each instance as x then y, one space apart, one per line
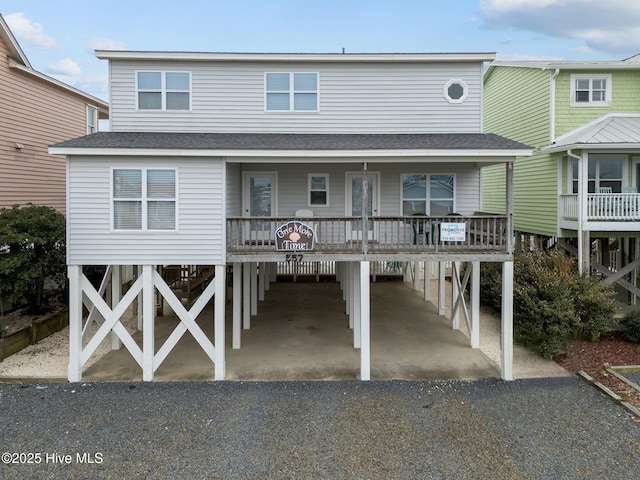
144 199
318 189
92 119
455 91
590 90
604 174
424 194
291 91
164 90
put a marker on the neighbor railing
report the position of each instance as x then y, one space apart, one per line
602 206
384 234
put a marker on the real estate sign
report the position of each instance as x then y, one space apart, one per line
453 232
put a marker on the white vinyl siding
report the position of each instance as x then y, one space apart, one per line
352 98
200 216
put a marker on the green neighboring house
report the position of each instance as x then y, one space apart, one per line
583 121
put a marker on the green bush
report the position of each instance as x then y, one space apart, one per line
551 302
32 255
631 326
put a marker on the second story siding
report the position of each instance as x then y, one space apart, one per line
353 97
625 98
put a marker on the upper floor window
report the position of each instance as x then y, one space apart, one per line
590 90
164 90
144 199
456 91
291 92
424 194
92 119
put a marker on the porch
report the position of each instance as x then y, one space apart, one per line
618 210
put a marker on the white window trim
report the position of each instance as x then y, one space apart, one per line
428 193
144 199
163 91
590 103
292 93
465 90
92 128
309 190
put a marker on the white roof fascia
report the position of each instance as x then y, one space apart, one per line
618 147
12 43
288 153
296 57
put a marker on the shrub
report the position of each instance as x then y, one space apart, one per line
551 302
32 255
631 326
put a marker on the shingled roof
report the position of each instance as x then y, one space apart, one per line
280 141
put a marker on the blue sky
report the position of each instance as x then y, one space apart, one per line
59 36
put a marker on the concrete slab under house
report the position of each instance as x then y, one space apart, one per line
233 171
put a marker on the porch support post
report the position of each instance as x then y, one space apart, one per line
138 272
237 304
74 372
583 210
148 332
261 280
246 296
219 321
507 321
427 281
254 288
267 276
509 204
116 292
441 275
416 275
455 294
365 311
357 307
475 305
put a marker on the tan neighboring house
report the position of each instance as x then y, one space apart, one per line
35 112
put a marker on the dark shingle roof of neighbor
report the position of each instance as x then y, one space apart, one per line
295 141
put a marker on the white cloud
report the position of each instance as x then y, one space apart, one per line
106 44
29 32
66 66
612 28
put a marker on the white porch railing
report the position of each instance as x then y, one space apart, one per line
384 234
603 206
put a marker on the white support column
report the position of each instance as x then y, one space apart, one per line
138 272
261 280
584 248
237 305
246 296
116 293
74 372
273 274
475 305
347 291
365 322
427 281
148 332
441 289
254 288
416 275
267 276
507 321
219 321
455 293
357 308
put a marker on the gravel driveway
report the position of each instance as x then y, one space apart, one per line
555 428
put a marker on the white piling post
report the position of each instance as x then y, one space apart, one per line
116 293
148 332
441 289
475 305
365 314
507 321
74 371
237 305
219 321
246 296
254 288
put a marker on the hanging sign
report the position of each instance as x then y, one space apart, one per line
294 236
453 232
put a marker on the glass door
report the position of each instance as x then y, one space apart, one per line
260 201
354 204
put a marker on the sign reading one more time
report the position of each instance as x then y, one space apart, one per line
294 236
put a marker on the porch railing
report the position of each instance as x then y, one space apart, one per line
383 234
603 206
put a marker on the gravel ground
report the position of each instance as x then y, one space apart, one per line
554 428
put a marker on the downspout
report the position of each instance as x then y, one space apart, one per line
552 107
583 263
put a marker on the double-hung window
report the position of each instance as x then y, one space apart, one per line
427 194
318 189
291 92
144 199
92 119
164 90
591 90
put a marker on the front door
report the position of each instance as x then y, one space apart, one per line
354 204
259 201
